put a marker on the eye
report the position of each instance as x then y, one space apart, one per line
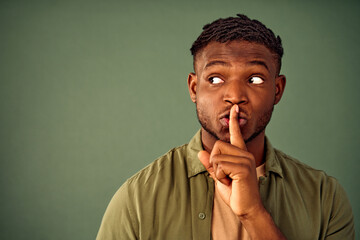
215 80
256 80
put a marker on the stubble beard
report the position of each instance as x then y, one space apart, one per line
205 123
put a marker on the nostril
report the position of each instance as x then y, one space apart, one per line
236 101
235 96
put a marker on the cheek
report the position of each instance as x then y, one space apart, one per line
263 102
207 105
207 98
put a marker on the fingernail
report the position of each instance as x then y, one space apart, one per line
237 108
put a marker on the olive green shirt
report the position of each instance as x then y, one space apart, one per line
172 198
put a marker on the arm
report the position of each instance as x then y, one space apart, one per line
118 221
341 220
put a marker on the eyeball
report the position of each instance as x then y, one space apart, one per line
215 80
256 80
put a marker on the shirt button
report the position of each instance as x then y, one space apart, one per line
202 216
262 180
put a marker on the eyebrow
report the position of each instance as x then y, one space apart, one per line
217 62
258 62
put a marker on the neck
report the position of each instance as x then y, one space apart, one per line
256 146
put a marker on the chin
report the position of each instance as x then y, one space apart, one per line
224 136
225 139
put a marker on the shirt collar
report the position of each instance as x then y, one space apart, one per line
194 166
272 163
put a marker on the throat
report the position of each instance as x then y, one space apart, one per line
208 140
257 148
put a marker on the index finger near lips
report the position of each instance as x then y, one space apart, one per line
236 138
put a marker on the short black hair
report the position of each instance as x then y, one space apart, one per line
238 28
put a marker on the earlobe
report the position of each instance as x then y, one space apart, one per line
192 82
280 83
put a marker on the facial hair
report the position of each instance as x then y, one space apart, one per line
205 123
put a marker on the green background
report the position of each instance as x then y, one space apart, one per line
92 91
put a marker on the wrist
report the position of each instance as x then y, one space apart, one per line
260 225
256 212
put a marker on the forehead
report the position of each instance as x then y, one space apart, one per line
235 52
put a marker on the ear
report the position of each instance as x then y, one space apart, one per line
280 82
192 82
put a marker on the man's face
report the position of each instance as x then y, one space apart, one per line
237 72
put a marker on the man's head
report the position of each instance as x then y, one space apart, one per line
238 28
236 61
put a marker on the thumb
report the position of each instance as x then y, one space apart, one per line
204 158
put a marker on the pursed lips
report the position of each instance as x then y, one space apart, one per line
225 119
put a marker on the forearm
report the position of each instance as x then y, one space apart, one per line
260 225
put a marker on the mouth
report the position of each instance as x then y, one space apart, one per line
225 119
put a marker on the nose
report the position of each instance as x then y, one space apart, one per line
235 93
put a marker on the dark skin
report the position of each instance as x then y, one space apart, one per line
235 88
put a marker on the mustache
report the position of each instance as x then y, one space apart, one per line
242 112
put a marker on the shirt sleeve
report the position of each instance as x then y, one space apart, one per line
341 220
119 220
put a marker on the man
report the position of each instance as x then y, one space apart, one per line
229 182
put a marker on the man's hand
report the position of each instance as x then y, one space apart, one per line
234 170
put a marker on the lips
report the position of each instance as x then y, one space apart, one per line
225 119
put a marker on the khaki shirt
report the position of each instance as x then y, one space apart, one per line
173 197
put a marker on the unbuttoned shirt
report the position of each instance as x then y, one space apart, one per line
173 197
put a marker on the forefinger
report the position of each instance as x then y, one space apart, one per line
236 138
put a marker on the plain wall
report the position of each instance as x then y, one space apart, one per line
93 91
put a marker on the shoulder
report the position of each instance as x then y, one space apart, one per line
174 168
149 189
166 176
161 168
316 194
292 168
310 183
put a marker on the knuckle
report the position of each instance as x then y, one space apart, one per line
246 170
220 172
220 168
215 159
250 156
218 144
247 155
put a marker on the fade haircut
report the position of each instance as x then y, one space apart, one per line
239 28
